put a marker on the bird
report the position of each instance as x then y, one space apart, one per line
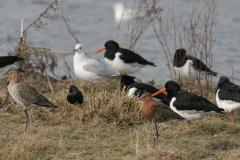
74 95
7 63
137 89
189 67
92 70
155 111
123 60
227 95
188 104
126 14
25 95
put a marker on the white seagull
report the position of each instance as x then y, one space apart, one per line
91 70
126 14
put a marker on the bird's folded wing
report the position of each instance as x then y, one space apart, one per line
30 94
100 69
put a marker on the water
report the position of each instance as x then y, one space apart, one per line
94 24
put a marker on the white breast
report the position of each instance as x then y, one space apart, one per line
227 105
122 67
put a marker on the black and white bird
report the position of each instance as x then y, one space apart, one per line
187 104
137 89
74 95
7 63
227 95
187 66
123 60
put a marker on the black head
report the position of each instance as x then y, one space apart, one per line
73 89
223 80
180 53
111 44
172 87
126 81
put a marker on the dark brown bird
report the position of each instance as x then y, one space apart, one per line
155 111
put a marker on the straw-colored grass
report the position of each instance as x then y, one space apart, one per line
104 128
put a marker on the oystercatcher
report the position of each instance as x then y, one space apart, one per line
186 66
25 95
137 89
123 60
92 70
7 63
187 104
74 95
227 95
155 111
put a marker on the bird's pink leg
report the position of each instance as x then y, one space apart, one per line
188 124
232 117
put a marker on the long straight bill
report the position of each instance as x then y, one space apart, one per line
162 90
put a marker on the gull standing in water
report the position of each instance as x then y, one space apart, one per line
91 70
25 95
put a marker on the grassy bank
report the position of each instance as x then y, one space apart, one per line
102 128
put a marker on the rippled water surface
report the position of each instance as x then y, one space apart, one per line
94 24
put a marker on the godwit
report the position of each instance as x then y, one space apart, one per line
25 95
155 111
136 88
92 70
74 95
123 60
187 104
7 63
187 66
227 95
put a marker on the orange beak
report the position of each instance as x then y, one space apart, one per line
100 50
74 50
162 90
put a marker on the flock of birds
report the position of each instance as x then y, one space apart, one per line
157 107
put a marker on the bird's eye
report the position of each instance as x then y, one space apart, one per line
80 47
169 85
108 44
222 81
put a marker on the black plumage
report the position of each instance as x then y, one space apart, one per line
8 60
127 56
227 95
180 59
129 83
74 95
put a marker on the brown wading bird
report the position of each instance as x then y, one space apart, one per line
156 111
25 95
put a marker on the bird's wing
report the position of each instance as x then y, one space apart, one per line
31 95
165 111
100 69
7 60
191 101
230 92
130 57
200 66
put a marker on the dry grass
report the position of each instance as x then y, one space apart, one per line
102 128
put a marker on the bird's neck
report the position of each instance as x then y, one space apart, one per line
169 97
15 79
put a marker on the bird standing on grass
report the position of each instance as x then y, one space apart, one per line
91 70
123 60
137 89
155 111
188 67
187 104
7 63
74 95
25 95
227 95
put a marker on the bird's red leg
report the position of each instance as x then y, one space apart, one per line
188 124
232 117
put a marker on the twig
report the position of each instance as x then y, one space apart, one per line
48 51
50 6
68 28
69 74
52 91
